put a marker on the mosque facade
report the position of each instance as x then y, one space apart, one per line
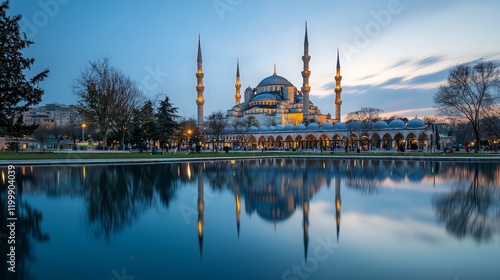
278 107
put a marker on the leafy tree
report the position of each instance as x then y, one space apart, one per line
470 92
144 126
166 118
17 92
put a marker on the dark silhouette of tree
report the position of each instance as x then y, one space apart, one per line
28 230
17 92
166 119
471 90
144 125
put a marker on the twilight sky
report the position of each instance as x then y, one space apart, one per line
394 53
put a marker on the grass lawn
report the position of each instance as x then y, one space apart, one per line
145 155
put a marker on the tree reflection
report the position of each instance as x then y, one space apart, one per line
471 211
115 196
28 230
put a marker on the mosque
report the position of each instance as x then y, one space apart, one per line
275 100
279 108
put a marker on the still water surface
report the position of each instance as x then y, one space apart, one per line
258 219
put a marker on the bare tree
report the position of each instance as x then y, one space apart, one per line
470 92
362 120
128 99
241 127
42 134
57 132
428 120
216 123
106 98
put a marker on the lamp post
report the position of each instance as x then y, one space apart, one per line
83 131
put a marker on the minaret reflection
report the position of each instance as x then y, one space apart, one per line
238 212
338 203
201 208
305 214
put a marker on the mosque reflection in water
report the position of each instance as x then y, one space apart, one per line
115 196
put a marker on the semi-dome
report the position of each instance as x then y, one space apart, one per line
380 124
265 96
397 124
280 127
289 127
313 126
263 128
275 80
300 127
415 123
327 126
340 126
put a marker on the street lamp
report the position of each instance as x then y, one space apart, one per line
83 131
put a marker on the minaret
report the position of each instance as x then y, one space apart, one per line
305 76
338 90
201 208
338 204
199 87
237 96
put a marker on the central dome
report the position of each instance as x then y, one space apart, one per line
275 80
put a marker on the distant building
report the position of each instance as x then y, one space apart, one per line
52 114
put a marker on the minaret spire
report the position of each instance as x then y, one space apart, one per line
338 91
237 96
305 76
200 101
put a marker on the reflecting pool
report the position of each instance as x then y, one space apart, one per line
256 219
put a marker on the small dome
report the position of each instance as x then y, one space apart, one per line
280 127
415 123
275 80
327 126
272 128
289 127
300 127
381 125
313 126
263 128
397 124
249 89
253 128
340 126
